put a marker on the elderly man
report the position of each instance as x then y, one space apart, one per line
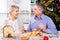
41 21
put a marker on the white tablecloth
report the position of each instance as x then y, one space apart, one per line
41 38
29 39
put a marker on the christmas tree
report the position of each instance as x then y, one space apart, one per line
52 9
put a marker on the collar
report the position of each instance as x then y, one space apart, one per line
42 16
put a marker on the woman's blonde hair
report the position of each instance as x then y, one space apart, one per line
13 7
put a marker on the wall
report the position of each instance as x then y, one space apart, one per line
23 4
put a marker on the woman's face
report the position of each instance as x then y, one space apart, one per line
15 12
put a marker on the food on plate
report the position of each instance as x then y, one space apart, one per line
8 31
33 33
29 33
36 33
24 38
39 33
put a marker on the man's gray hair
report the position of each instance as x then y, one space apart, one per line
39 5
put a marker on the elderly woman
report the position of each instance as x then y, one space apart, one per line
14 20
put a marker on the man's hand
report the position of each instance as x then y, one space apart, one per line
22 30
42 27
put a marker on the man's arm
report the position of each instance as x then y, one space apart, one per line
51 27
29 27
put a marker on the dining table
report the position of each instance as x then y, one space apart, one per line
50 37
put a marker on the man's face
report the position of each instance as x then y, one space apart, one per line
37 11
15 12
